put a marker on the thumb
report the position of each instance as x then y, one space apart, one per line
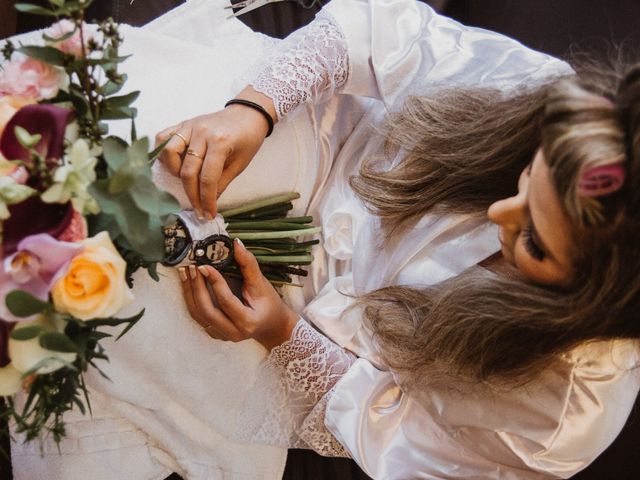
247 262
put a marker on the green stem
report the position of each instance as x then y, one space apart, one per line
288 259
266 202
271 235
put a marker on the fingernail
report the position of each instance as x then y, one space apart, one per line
203 270
209 216
182 273
192 272
239 242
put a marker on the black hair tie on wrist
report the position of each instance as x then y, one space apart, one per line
256 107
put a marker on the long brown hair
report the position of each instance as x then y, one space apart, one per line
464 150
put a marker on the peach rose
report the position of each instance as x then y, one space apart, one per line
94 285
9 105
73 44
31 79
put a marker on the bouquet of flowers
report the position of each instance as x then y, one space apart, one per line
79 213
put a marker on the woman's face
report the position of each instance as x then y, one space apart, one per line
534 230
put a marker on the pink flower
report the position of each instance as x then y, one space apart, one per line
29 78
73 44
34 268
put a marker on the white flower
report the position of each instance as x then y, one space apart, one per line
27 354
72 180
12 192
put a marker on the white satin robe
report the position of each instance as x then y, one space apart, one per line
177 396
553 428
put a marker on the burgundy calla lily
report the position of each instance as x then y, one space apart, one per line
49 121
31 217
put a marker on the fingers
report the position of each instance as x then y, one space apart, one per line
248 264
228 302
171 155
214 317
190 172
209 177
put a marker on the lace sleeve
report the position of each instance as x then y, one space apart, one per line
313 61
312 365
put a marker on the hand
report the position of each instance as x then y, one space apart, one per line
209 151
263 316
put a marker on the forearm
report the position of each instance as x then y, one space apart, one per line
311 65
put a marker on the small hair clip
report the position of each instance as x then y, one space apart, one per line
601 181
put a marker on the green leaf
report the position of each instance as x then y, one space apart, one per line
132 321
112 87
114 150
34 9
61 38
23 304
156 151
78 100
118 113
27 333
122 101
49 55
58 342
151 199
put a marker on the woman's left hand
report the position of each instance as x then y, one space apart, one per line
263 316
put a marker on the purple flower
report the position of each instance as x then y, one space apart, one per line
34 267
49 121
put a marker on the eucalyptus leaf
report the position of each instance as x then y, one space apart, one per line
114 150
118 113
34 9
49 55
23 304
122 101
27 333
111 88
58 342
151 199
61 38
77 99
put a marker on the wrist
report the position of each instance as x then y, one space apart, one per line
262 102
282 333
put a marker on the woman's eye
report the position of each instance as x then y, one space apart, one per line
530 244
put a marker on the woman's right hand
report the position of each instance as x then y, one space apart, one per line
209 151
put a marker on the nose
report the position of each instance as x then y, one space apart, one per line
508 213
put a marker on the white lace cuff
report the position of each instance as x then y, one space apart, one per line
312 365
314 61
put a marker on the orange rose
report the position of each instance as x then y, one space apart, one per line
9 105
94 285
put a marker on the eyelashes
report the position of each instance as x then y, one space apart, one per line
530 245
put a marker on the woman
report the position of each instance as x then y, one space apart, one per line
515 370
373 56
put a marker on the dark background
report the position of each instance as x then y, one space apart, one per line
558 27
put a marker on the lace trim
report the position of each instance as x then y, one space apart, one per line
312 366
315 61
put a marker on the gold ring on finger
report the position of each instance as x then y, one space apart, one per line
191 152
186 143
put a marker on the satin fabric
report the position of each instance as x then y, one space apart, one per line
178 396
552 428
